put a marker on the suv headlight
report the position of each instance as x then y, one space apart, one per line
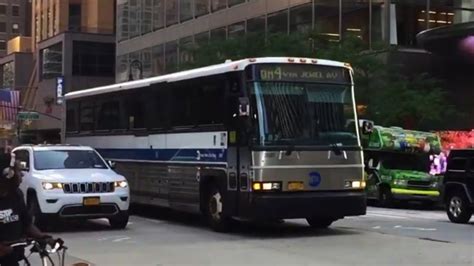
121 184
400 182
52 185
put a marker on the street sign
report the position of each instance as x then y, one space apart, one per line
28 116
59 89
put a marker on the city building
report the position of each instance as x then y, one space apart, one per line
151 32
72 47
15 20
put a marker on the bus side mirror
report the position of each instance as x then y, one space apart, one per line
112 164
371 165
244 107
367 127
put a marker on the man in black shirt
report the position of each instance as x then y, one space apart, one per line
15 221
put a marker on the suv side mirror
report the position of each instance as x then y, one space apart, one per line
367 126
24 166
244 107
112 164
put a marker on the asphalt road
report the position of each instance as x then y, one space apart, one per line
382 237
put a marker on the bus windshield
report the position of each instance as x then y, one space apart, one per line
302 113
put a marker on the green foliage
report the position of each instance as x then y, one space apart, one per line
391 98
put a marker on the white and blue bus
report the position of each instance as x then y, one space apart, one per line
262 138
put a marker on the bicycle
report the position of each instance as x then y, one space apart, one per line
40 246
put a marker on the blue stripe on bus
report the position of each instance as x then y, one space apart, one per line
187 155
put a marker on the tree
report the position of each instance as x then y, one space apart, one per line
391 98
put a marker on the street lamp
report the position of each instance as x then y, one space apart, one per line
135 64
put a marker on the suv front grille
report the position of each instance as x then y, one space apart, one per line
90 187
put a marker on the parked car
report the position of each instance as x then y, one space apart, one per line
62 181
457 188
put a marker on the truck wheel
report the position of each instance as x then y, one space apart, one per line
385 197
457 208
319 223
119 221
214 211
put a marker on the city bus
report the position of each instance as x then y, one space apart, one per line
257 139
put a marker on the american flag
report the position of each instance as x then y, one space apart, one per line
9 102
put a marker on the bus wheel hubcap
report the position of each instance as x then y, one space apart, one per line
216 206
455 206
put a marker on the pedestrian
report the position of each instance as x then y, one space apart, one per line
15 222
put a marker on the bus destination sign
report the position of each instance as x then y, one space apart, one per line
302 73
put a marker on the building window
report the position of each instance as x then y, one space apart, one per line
236 30
158 14
15 28
186 10
146 63
219 34
171 12
93 59
158 60
74 17
326 14
3 27
134 18
52 61
353 23
411 18
15 11
201 38
185 54
171 56
3 45
3 10
278 22
147 14
8 74
235 2
301 18
122 68
256 25
202 7
218 5
123 21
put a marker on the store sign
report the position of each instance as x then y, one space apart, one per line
59 89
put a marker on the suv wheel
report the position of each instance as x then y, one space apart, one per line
457 208
34 210
319 223
119 221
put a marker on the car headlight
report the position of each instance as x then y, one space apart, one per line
52 185
121 184
400 182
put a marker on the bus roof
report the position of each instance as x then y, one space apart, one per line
228 66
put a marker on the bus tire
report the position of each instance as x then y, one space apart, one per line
214 210
457 208
319 223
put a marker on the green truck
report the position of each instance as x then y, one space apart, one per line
398 165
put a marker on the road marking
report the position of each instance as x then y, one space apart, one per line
376 227
386 216
414 228
121 239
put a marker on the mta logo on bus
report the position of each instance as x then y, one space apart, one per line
314 179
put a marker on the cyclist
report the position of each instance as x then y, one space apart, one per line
15 221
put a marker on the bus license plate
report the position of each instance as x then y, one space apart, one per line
295 186
91 201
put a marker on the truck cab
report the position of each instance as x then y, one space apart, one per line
398 166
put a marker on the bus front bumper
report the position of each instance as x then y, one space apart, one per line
308 204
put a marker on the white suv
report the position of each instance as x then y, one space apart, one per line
62 181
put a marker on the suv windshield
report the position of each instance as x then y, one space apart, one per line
293 113
68 159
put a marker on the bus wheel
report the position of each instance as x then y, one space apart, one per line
215 206
318 222
385 196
